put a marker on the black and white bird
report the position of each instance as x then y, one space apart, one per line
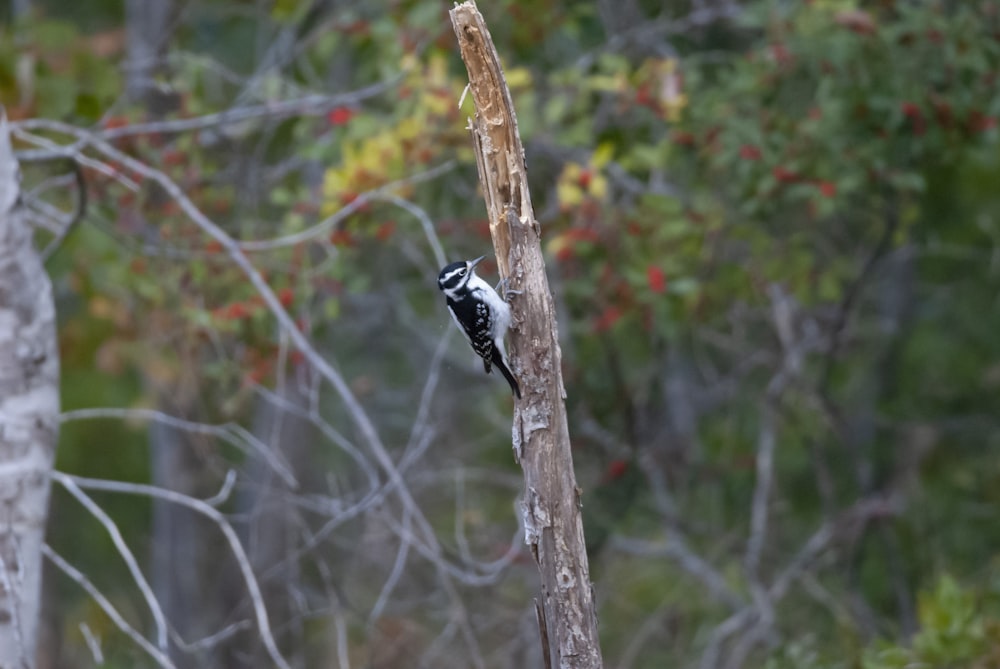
481 314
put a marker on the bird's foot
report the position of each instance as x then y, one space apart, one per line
505 291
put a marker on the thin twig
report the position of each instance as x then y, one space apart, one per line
124 551
65 567
199 506
232 433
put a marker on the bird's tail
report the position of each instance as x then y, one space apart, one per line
500 364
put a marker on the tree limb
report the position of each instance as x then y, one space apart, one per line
551 511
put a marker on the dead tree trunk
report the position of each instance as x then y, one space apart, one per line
29 417
552 519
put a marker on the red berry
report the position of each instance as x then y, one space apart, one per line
749 152
616 469
385 230
656 279
783 175
340 115
607 319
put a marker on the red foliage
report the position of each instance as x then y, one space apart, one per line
656 279
979 122
644 97
912 111
286 296
113 122
608 318
749 152
172 157
780 53
682 138
827 188
385 230
349 197
584 179
784 175
340 115
565 253
341 237
615 470
213 247
583 235
233 312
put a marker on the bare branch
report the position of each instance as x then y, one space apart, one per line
231 433
124 551
201 507
65 567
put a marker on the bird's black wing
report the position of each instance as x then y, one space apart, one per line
474 317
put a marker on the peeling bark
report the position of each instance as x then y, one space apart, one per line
551 512
29 417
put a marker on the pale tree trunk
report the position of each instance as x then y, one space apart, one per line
29 417
553 527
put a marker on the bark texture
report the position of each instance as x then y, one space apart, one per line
552 519
29 417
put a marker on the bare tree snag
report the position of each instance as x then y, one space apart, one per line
554 529
29 417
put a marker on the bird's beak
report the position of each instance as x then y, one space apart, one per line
473 263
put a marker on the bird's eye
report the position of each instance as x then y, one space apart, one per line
462 273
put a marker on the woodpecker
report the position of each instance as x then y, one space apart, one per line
481 314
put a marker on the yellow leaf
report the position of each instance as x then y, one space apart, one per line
409 128
602 154
598 187
568 194
409 62
558 243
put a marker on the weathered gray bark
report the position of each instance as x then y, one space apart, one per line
553 525
29 417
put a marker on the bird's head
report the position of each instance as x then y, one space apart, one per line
455 276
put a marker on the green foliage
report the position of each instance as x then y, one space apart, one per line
48 69
959 629
801 150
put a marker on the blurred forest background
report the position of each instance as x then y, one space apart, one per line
773 233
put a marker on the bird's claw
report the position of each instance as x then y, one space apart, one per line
504 289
